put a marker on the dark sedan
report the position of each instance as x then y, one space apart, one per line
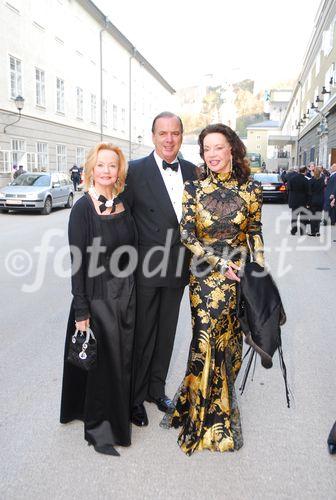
272 186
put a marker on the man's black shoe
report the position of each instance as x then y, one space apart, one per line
139 416
164 403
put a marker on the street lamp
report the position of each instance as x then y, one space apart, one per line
325 91
19 103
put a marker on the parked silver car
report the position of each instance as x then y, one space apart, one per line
37 191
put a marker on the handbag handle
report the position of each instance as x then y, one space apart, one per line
89 334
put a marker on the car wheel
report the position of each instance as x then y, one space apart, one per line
47 207
70 201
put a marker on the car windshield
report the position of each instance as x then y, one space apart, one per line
267 178
31 180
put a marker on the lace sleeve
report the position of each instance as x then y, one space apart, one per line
254 232
188 228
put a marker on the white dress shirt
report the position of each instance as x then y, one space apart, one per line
174 184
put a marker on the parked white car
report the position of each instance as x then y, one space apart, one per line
37 191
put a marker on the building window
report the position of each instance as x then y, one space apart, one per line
312 154
79 95
93 108
115 117
42 155
18 147
104 112
123 119
31 162
59 95
258 137
258 146
40 87
4 161
328 39
329 74
80 156
15 77
61 158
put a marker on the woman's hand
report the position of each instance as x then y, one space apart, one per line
229 273
82 326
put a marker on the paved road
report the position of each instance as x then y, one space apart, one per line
284 455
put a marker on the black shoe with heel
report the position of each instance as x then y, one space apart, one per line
105 449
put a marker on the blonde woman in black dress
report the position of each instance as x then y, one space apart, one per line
221 224
103 299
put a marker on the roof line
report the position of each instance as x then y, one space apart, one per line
103 20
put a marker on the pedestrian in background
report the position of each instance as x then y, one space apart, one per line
316 185
221 221
330 194
19 172
103 301
75 177
154 192
310 170
298 199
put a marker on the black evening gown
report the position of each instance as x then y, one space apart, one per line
102 396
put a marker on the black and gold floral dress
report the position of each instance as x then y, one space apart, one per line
221 223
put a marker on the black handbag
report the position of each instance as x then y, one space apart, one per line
83 350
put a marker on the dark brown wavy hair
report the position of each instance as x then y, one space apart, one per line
240 164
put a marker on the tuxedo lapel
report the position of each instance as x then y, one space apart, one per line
158 189
185 171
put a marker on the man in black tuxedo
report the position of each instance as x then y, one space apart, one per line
154 189
298 199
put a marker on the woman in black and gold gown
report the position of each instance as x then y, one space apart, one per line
221 225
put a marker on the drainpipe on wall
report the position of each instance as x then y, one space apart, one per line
130 105
297 140
101 77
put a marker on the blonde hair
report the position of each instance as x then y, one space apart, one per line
91 161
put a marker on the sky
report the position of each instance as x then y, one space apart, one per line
184 40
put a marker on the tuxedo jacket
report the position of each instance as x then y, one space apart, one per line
298 191
330 189
157 224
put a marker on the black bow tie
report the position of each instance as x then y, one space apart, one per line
173 166
103 207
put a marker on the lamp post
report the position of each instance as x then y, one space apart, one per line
19 103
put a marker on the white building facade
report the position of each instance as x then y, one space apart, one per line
82 81
308 129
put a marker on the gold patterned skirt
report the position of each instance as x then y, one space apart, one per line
205 404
